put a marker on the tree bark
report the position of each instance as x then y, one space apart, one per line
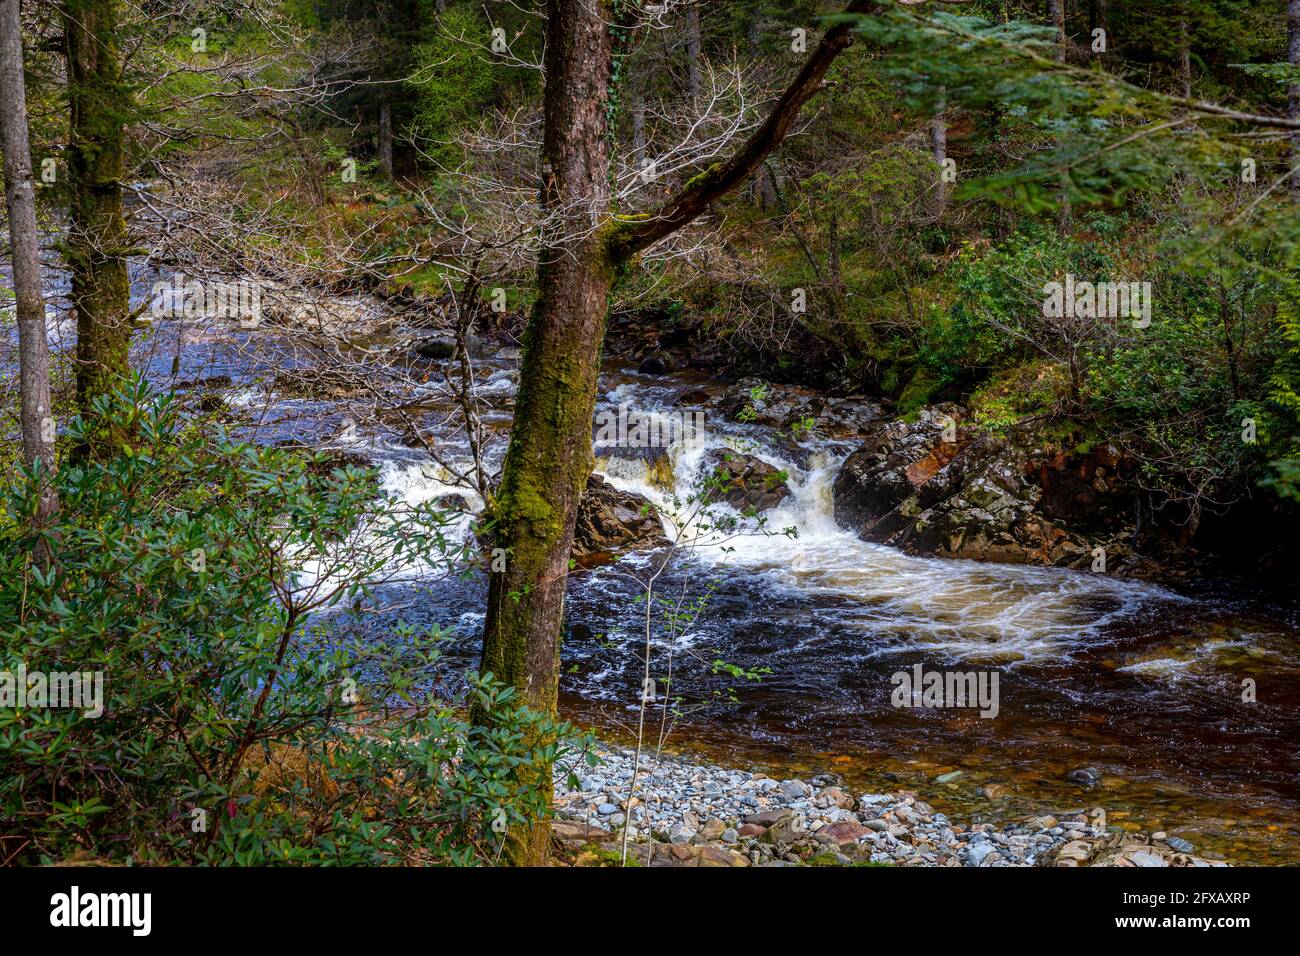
550 455
1064 214
35 410
97 244
939 148
1293 92
693 45
385 146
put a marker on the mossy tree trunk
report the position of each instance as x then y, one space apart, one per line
1293 91
550 454
35 409
97 247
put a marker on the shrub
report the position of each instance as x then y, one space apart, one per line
205 579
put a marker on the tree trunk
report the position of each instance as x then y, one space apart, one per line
637 109
1058 21
693 52
762 188
35 411
97 238
939 148
754 32
550 454
1184 57
1293 92
386 140
1063 211
1101 20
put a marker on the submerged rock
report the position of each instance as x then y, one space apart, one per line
1123 849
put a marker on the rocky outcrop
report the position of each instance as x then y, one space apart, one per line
745 482
936 486
610 520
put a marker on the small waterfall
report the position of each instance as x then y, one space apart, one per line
956 609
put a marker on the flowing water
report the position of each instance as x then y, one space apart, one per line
1139 683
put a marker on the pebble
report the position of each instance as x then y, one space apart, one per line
775 822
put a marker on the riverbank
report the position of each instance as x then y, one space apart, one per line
688 814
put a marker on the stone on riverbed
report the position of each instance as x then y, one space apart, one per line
762 822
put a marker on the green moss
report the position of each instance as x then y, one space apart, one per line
920 388
704 178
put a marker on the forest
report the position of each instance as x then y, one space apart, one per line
611 433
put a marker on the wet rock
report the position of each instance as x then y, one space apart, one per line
444 346
1120 849
453 502
610 520
694 398
745 481
434 348
658 364
790 409
933 486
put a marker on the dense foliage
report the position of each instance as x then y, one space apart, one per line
241 722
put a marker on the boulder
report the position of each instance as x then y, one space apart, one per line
931 486
745 481
787 407
610 520
844 833
788 829
659 363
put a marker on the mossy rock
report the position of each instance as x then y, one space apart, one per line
920 388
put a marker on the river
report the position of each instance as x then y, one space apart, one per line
1136 682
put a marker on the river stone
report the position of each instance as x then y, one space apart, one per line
766 818
842 834
713 829
745 481
610 521
786 830
930 486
